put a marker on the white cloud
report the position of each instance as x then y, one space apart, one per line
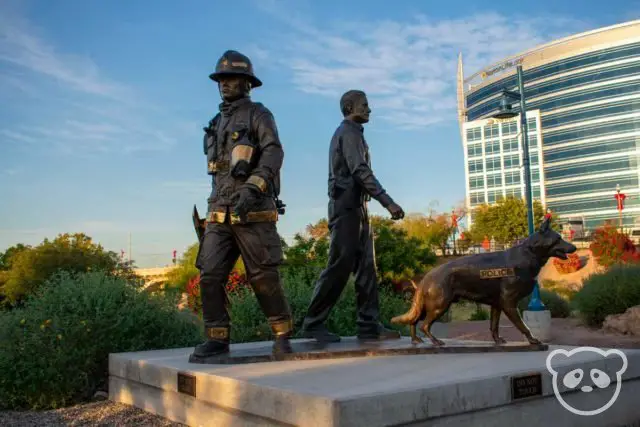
408 69
20 45
91 113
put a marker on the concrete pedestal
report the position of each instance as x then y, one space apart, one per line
446 389
539 322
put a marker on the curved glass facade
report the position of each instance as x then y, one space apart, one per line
583 98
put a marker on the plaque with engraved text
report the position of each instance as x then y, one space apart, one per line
187 384
526 386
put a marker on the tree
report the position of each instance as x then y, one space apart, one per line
5 258
319 230
433 230
398 256
31 267
505 221
310 248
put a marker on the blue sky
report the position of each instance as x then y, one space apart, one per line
103 103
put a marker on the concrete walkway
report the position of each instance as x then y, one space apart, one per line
563 332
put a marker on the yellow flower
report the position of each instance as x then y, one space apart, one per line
47 322
83 322
59 336
42 326
88 329
258 333
22 322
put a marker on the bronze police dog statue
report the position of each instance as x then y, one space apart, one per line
244 158
498 279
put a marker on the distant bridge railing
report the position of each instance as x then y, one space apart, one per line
154 278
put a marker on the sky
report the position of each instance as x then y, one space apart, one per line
103 103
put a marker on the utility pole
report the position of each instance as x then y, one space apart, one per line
129 248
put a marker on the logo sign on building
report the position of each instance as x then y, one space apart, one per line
501 68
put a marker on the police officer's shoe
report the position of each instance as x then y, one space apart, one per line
380 333
321 334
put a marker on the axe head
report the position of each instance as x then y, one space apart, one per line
198 223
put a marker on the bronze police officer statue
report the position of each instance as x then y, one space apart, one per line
351 185
244 157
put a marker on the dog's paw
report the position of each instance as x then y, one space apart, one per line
437 342
417 340
500 341
534 341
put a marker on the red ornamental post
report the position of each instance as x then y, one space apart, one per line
620 199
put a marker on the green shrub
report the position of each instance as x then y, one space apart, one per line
558 306
565 289
611 292
479 314
55 348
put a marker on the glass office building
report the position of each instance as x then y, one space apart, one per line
583 109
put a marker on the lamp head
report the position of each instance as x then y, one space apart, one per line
505 110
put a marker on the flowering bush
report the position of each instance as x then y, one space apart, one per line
611 246
237 282
569 265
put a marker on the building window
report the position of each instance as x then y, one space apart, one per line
474 134
511 161
494 180
510 128
510 144
476 182
491 131
512 178
494 196
492 147
475 166
535 175
515 192
493 164
532 125
535 193
474 150
533 141
476 198
533 159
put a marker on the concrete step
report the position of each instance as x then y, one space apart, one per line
452 389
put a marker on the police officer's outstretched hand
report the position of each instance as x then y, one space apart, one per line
243 199
395 210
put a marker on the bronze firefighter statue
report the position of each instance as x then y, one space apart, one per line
244 157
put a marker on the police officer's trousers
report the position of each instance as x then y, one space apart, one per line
351 251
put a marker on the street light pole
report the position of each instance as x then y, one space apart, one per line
535 304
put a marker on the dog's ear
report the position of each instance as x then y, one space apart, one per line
544 227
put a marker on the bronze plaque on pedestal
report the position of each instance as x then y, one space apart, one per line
187 384
526 386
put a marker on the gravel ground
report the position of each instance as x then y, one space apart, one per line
103 413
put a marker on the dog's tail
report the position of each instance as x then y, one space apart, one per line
414 312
